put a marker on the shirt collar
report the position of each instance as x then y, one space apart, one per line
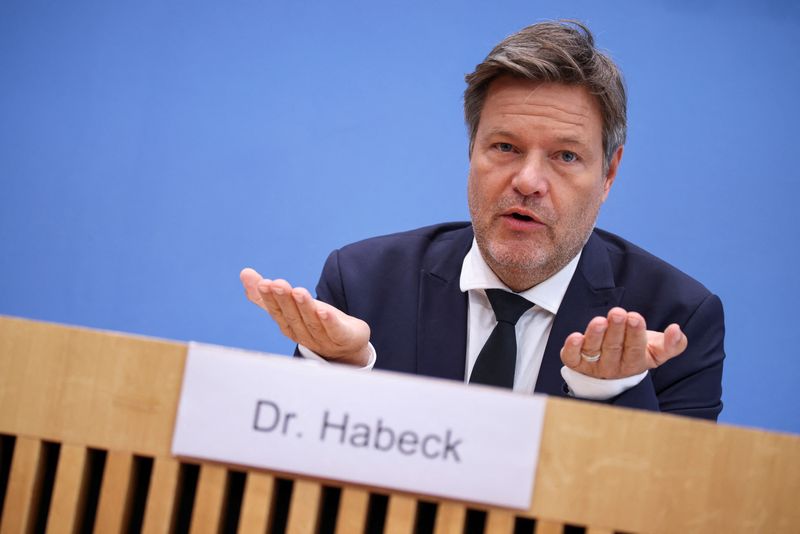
476 274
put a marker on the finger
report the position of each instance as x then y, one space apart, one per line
614 340
613 344
307 307
676 338
673 343
591 346
273 308
333 322
571 352
593 337
635 353
282 291
250 279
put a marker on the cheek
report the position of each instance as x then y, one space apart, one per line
476 183
570 201
484 186
472 196
470 187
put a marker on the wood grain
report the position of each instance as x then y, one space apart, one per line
450 518
159 511
209 499
400 514
74 385
113 508
601 467
304 508
256 503
642 472
353 506
24 486
69 490
499 522
544 526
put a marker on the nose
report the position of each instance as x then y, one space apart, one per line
531 178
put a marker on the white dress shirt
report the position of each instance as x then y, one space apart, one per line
533 329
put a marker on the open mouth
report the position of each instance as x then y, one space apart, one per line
521 217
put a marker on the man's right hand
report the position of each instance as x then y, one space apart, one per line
316 325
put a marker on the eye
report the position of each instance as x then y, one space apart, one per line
504 147
568 157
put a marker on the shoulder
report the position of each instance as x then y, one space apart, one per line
691 383
647 277
361 277
418 243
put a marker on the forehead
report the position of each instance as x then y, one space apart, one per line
529 107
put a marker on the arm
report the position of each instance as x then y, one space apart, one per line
692 383
317 325
685 364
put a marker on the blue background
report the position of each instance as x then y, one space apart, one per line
150 150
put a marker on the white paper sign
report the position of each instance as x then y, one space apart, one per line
414 434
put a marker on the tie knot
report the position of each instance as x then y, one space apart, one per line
508 307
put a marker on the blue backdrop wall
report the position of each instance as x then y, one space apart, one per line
149 151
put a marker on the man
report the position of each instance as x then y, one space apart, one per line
594 316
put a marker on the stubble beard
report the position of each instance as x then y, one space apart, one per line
523 263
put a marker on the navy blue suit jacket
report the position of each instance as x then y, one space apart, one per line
406 287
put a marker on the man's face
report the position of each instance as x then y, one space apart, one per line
536 177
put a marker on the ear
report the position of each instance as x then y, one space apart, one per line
613 165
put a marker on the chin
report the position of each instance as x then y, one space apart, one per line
516 258
525 266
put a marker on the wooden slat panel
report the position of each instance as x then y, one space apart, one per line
24 485
646 472
450 518
544 526
69 490
159 512
113 509
352 510
256 503
400 515
210 496
499 522
599 530
74 385
663 474
304 508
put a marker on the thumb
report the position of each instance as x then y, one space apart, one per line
664 347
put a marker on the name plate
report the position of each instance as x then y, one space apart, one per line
376 428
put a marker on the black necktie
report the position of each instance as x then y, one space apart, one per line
496 361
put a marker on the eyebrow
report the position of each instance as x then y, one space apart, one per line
572 141
501 132
566 140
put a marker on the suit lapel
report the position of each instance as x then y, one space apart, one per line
591 292
442 314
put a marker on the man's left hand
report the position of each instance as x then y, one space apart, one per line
624 345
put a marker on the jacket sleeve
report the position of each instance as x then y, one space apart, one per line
689 384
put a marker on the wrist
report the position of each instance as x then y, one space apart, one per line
360 358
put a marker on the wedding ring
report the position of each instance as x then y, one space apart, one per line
590 358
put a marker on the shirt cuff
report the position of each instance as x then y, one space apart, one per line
587 387
309 354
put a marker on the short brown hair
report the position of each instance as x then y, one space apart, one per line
562 52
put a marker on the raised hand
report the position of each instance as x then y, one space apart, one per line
320 327
620 346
